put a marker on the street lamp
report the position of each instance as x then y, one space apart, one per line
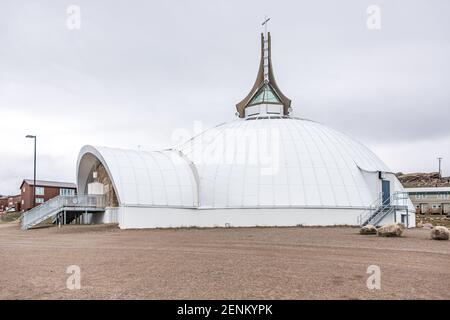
34 171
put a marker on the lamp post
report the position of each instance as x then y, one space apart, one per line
34 171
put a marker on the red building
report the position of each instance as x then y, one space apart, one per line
3 203
45 190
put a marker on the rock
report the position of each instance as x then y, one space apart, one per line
392 230
428 226
369 229
440 233
432 179
419 225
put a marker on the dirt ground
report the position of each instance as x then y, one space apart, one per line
232 263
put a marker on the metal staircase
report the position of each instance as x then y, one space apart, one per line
398 201
60 204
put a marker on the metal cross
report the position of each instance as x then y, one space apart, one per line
266 50
266 20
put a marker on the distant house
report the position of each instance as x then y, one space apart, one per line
431 200
45 190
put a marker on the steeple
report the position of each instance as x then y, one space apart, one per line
265 98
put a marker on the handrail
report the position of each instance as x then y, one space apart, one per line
374 213
56 204
370 209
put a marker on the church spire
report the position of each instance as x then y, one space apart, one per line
265 98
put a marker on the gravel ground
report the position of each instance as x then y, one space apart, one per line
232 263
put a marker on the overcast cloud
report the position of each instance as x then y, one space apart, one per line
138 70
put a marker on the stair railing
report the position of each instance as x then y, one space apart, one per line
377 211
58 203
371 209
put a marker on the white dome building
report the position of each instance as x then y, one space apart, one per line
264 169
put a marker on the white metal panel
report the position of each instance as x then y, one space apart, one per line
144 178
274 108
96 188
312 165
173 217
248 163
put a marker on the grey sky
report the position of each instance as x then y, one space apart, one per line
138 70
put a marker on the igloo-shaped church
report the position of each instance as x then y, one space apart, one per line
266 168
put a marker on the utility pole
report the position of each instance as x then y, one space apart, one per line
440 172
34 171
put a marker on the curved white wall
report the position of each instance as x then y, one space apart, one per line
245 173
285 162
163 178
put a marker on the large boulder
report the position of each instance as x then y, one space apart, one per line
369 229
440 233
391 230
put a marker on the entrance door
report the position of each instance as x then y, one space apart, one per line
405 220
386 189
